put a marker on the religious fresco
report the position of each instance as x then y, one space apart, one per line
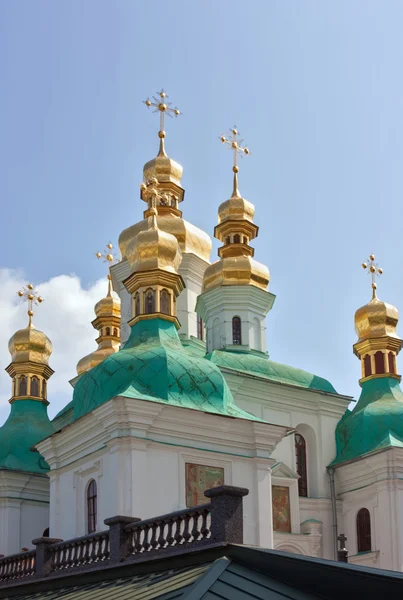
281 508
200 478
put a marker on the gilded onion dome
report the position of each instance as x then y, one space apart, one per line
378 342
154 248
30 345
107 322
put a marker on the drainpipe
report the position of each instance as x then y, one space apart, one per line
334 511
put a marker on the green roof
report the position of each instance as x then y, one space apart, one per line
376 422
154 366
27 424
263 367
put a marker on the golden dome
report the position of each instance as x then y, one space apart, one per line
154 248
92 360
375 320
236 270
237 209
30 345
109 306
191 239
164 169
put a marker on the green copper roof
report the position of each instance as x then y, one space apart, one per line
257 365
376 421
27 424
154 366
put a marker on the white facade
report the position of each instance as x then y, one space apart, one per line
219 306
24 509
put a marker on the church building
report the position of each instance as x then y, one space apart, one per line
180 395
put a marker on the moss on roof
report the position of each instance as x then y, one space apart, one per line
263 367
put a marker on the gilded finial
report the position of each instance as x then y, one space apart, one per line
164 108
374 270
30 295
238 149
111 258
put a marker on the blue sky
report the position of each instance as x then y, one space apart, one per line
315 89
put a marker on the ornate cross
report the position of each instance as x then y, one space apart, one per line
109 257
164 108
238 150
30 295
375 271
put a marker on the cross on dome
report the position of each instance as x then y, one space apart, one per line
30 295
164 108
374 270
111 258
238 150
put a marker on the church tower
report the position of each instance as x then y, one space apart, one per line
235 300
24 485
162 191
107 322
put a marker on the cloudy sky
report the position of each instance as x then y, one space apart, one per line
314 88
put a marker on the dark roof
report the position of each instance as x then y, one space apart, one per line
227 572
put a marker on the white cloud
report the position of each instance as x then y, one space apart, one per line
65 317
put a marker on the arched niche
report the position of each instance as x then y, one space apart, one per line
309 435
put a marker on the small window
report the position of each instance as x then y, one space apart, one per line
391 363
379 363
237 239
92 506
23 386
164 302
136 304
46 532
149 302
115 332
300 455
44 388
245 240
363 531
236 331
34 386
199 328
228 240
367 365
108 331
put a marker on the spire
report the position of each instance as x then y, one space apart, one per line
30 350
378 343
107 321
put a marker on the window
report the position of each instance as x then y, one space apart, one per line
227 240
108 331
391 363
44 388
34 386
46 532
136 304
115 332
23 386
300 454
92 506
363 531
199 328
379 362
200 478
164 302
236 331
367 365
149 302
237 239
245 240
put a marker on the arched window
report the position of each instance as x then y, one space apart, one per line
136 304
44 388
236 331
391 363
164 302
149 302
228 240
367 365
300 454
199 328
379 363
245 240
23 386
363 531
108 331
14 390
46 532
34 386
115 332
92 506
237 239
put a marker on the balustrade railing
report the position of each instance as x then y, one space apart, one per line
220 521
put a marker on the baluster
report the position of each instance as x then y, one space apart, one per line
178 530
146 544
195 529
204 530
186 533
169 538
93 550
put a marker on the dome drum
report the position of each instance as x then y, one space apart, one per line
230 227
230 250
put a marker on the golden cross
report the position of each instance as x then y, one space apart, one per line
375 271
236 146
31 296
164 108
109 257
